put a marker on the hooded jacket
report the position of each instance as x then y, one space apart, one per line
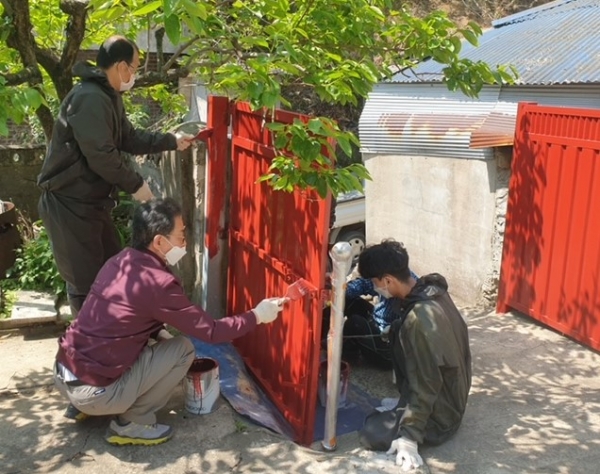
432 360
84 160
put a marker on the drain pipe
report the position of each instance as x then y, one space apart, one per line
341 257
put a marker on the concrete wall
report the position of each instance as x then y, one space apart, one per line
19 168
181 175
445 211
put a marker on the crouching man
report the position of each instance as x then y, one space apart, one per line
104 364
430 353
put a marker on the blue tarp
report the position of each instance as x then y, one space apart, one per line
247 398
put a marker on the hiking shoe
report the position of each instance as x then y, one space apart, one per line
73 413
132 433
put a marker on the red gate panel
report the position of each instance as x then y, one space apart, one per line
276 238
551 256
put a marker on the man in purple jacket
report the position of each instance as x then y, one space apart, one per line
104 365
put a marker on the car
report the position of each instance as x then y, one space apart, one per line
349 222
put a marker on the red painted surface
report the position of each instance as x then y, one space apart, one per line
551 256
217 145
274 239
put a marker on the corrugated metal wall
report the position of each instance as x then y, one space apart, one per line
551 258
428 120
423 120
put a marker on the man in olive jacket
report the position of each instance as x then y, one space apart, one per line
84 167
431 357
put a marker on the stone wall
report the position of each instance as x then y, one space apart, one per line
19 168
489 291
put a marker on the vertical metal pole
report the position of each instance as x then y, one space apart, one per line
341 257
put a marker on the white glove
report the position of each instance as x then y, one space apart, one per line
184 140
408 457
143 194
268 309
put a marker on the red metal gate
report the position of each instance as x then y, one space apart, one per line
551 256
274 239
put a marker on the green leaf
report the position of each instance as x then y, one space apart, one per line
173 29
345 145
470 37
169 7
197 9
148 8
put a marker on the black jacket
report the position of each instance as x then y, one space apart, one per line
432 359
84 160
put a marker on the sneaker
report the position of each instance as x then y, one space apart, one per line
73 413
132 433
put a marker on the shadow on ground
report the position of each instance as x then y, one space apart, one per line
533 408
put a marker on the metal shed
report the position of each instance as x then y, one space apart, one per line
440 158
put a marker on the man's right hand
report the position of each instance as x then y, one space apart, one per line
268 309
143 194
407 454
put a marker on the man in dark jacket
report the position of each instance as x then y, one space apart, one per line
104 365
84 167
430 352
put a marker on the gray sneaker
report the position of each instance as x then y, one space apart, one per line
132 433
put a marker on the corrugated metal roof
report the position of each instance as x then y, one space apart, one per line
556 43
427 120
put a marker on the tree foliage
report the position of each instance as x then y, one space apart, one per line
251 49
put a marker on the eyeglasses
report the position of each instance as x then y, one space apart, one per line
132 68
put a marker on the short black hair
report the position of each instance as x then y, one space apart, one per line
152 218
387 258
114 50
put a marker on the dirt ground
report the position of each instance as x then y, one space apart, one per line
533 408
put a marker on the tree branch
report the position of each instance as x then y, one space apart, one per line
74 32
21 39
178 52
153 78
160 59
21 77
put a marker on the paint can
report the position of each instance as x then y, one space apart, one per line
201 386
322 387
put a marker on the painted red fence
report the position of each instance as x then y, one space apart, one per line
274 239
551 257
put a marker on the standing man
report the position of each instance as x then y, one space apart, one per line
104 365
430 354
84 166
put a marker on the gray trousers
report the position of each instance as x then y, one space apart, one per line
142 390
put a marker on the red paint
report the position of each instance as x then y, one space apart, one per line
217 145
275 238
551 256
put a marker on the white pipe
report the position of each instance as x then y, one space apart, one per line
341 257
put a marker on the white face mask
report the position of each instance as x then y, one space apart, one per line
382 291
125 86
175 254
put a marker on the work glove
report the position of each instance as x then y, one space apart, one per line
143 194
407 456
184 140
268 309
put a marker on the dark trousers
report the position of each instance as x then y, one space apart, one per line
83 237
361 333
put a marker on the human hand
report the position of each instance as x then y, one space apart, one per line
143 194
184 140
407 456
268 309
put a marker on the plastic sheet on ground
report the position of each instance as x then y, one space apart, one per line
248 399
